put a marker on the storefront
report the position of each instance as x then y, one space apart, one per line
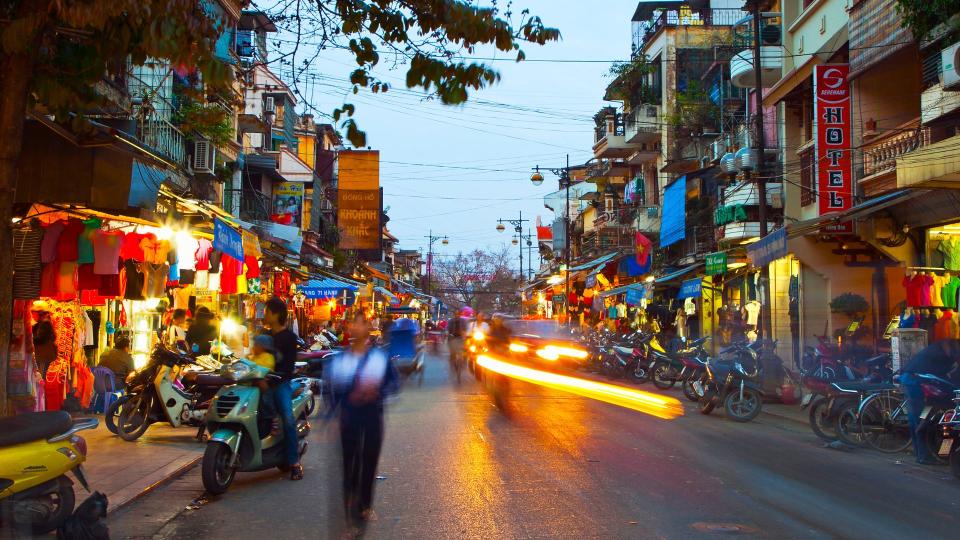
83 278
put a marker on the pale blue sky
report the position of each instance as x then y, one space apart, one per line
537 113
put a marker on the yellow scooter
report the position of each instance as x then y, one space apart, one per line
36 452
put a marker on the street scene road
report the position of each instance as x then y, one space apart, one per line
560 466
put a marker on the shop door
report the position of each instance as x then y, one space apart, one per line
814 307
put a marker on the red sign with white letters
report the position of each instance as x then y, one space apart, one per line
833 109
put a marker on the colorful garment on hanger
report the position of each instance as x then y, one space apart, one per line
106 252
132 247
912 286
85 253
51 236
229 270
68 242
926 288
936 292
948 292
950 248
26 262
202 254
133 280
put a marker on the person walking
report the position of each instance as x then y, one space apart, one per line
940 359
361 378
285 354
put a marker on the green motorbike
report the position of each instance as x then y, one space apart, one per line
240 440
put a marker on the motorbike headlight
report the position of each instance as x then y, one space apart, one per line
738 367
235 371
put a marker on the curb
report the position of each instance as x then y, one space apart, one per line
157 479
791 419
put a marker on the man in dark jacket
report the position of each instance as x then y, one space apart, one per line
939 359
118 360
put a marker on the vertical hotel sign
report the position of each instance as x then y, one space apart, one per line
833 110
358 199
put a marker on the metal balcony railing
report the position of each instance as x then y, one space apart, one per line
254 207
643 31
881 153
165 138
612 125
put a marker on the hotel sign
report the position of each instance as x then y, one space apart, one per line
834 171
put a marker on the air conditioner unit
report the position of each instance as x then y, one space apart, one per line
268 105
203 158
950 67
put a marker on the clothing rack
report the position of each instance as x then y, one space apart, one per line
938 268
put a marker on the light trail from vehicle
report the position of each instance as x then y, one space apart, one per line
656 405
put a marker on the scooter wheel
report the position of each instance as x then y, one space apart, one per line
660 380
113 412
59 506
134 418
216 473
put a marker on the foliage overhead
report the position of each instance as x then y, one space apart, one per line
430 38
922 17
81 42
480 279
630 82
849 303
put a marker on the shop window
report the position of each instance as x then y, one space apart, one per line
807 174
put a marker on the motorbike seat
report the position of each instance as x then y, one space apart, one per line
33 426
200 378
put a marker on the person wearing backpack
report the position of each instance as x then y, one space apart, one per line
361 377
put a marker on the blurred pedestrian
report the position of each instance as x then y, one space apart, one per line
285 354
202 331
941 359
360 378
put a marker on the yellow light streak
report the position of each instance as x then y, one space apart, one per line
664 407
548 354
477 335
518 348
569 352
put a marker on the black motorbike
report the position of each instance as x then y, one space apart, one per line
681 366
949 448
734 383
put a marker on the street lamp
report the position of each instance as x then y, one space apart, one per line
500 227
445 241
536 178
564 175
515 242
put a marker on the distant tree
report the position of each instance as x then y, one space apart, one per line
923 16
480 279
55 51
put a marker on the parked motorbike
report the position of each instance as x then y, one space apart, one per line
949 448
240 440
938 395
678 367
733 383
37 450
165 391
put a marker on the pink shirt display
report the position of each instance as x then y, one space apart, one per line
204 247
106 252
51 237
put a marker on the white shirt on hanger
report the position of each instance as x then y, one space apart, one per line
753 312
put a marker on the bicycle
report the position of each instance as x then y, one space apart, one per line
883 421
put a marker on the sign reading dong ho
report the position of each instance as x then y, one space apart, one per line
358 199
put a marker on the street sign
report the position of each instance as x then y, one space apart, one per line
227 239
690 288
716 263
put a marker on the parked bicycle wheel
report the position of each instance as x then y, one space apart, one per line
822 424
883 423
848 425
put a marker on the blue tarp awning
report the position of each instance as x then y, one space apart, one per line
679 273
673 224
594 263
325 288
390 296
622 289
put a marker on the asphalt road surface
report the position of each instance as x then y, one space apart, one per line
559 466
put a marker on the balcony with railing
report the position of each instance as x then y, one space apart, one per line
642 124
609 237
254 206
881 150
165 138
742 73
652 17
609 136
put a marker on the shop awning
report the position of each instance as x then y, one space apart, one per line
673 276
325 288
864 209
390 296
622 289
594 263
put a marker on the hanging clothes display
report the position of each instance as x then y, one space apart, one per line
51 236
106 252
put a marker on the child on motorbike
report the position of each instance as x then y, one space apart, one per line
263 357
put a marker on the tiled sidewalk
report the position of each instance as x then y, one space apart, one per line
125 470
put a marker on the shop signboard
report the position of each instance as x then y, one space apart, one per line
288 203
634 296
227 239
769 248
716 263
732 213
358 201
832 118
690 288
